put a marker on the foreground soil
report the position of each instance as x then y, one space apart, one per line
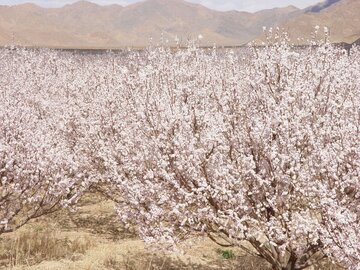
90 238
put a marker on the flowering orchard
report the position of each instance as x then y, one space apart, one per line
259 150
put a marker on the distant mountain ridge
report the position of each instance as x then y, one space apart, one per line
320 6
88 25
341 17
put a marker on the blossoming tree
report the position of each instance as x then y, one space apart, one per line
265 150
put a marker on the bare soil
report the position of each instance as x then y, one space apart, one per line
90 238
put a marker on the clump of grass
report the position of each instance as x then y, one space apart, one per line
33 247
226 254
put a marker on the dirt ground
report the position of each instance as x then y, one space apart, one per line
90 238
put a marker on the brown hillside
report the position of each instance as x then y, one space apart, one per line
342 19
87 25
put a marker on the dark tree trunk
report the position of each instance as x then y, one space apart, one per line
291 262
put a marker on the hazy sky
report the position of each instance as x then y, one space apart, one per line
248 5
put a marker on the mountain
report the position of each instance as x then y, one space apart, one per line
88 25
320 6
341 17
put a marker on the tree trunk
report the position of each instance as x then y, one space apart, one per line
291 262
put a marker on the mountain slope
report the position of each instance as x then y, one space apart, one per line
341 18
320 6
87 25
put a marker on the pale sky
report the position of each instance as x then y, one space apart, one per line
247 5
